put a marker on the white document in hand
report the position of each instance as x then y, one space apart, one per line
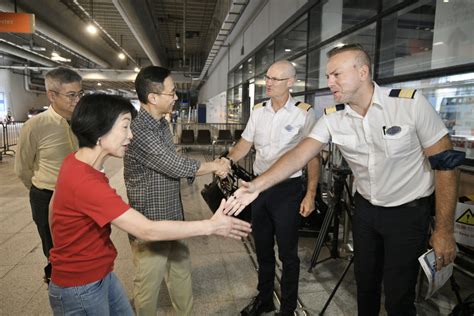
436 279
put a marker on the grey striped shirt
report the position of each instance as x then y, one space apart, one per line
153 169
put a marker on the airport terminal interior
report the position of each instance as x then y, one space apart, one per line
218 52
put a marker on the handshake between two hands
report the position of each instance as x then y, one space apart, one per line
223 167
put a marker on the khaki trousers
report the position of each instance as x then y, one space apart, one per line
155 261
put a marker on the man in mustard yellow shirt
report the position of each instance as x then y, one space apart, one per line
44 142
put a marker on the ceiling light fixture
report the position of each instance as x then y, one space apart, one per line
136 69
121 56
91 29
287 50
99 84
56 57
34 48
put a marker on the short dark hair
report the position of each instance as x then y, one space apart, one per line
95 115
363 57
150 79
60 75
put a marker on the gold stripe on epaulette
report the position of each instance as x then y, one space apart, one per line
406 93
304 106
330 110
258 105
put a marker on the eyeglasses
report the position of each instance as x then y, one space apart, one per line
273 79
71 95
168 94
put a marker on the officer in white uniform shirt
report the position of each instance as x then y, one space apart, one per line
400 154
274 127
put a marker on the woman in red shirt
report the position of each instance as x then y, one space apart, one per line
84 205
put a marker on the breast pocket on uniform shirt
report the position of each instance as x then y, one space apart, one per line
289 134
399 144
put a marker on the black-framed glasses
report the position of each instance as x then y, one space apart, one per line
273 79
168 94
71 95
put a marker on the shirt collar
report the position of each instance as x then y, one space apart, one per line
54 114
150 120
376 101
289 105
377 96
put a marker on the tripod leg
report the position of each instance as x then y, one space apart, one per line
351 260
322 236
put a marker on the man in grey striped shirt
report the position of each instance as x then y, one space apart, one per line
152 171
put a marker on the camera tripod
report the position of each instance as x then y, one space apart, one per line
336 207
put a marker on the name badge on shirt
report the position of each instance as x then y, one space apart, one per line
289 128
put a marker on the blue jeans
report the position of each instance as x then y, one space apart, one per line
104 297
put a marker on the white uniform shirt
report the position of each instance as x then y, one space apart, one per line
389 170
274 133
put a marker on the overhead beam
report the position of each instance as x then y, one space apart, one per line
127 10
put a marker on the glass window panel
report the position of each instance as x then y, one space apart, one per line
259 88
249 69
292 40
427 35
300 66
330 18
317 59
230 80
264 58
234 109
390 3
453 97
407 40
238 75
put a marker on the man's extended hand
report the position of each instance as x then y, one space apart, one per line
444 246
307 206
240 198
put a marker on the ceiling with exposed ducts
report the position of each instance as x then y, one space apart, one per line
183 35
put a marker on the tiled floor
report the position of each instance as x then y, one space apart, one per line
224 278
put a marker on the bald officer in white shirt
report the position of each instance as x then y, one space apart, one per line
274 127
400 154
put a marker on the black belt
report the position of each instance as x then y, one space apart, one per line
415 203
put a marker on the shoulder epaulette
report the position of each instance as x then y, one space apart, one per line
335 108
303 106
259 105
402 93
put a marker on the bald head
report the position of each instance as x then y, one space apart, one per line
285 68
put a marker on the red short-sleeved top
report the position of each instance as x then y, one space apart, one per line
83 207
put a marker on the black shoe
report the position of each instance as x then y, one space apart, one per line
257 307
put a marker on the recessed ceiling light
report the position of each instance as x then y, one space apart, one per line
136 69
287 50
91 29
99 84
121 55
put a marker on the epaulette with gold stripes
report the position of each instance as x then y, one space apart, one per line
259 105
335 108
402 93
303 106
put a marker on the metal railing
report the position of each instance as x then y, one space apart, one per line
9 134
